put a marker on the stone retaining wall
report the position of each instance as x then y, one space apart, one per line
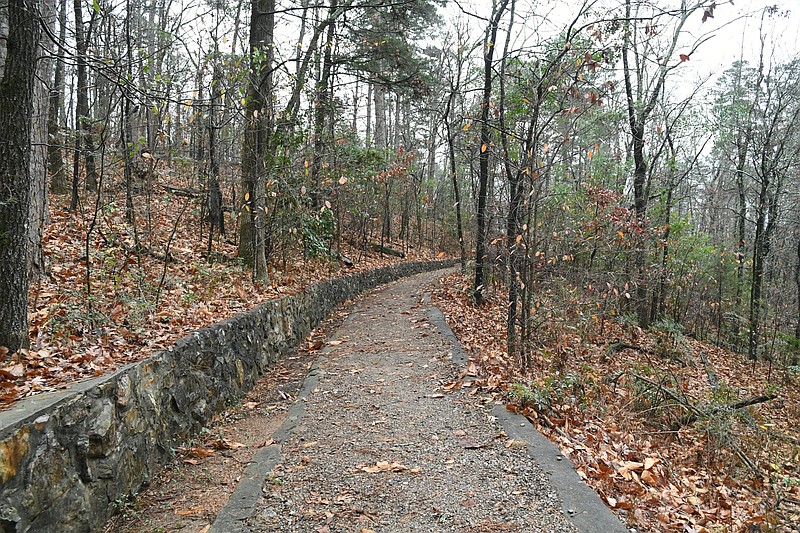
67 457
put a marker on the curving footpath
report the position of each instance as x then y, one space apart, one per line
377 444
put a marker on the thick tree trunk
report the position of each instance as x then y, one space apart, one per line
38 157
640 208
17 78
258 130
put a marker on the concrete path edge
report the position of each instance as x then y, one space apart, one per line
249 489
579 502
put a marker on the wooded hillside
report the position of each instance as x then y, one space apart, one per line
167 163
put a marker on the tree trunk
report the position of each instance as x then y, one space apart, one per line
322 108
58 174
514 238
368 134
640 103
381 133
741 219
756 282
797 284
38 156
258 130
490 38
83 139
216 216
17 79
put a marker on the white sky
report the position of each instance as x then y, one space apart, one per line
735 30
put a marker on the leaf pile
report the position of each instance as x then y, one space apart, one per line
651 419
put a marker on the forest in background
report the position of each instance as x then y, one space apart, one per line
167 163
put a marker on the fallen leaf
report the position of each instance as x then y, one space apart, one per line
227 444
314 346
385 466
649 478
472 444
200 452
650 462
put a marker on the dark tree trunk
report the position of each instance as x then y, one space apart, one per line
17 78
640 208
258 130
381 134
216 216
640 102
741 219
514 238
760 250
451 152
489 41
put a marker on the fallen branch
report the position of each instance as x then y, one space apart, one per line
619 346
386 250
672 394
755 400
336 254
144 250
184 191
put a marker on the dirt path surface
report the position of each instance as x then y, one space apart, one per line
378 442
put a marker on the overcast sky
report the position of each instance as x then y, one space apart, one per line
734 30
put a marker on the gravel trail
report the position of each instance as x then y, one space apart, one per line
382 446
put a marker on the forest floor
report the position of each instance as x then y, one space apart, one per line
376 441
674 434
654 420
88 318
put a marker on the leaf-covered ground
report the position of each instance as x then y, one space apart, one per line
653 420
127 303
